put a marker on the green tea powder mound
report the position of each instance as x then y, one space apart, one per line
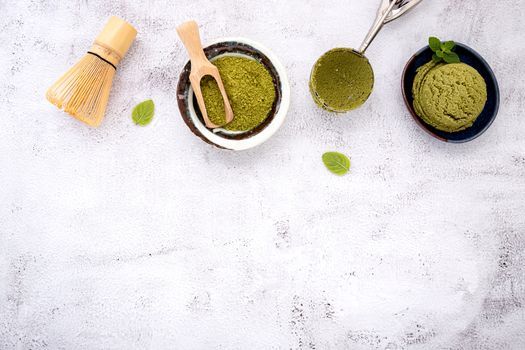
250 90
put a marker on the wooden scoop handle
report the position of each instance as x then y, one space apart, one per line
189 34
200 67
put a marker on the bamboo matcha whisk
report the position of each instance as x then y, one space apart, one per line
83 91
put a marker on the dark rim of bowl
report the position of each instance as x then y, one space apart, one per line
212 51
421 123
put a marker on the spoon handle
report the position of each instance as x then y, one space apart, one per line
376 27
400 9
189 34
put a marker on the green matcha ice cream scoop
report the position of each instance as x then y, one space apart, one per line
342 79
449 97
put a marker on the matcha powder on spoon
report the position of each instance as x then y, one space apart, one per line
250 90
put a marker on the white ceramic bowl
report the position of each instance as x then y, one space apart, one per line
223 138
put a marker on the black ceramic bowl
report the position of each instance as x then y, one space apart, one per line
223 138
472 58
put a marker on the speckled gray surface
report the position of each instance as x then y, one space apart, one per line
125 237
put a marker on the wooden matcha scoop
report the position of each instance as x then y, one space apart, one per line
200 67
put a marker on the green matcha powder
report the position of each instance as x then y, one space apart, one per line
250 90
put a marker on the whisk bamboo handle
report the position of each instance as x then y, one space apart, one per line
117 36
114 41
105 54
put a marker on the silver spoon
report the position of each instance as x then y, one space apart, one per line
337 89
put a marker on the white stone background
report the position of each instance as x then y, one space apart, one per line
124 237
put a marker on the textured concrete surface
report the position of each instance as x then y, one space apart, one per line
125 237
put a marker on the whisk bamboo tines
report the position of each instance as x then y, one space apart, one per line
83 91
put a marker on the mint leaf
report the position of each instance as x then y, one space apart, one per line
434 43
443 50
448 46
451 57
143 113
336 162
